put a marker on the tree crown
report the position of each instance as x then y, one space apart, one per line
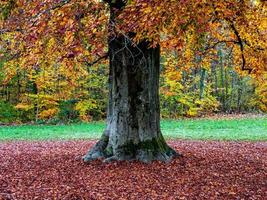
38 33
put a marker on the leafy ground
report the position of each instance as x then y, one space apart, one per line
250 129
208 170
52 168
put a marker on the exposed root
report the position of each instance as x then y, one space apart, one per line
146 152
147 156
111 159
98 151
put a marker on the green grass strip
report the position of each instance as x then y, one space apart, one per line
254 129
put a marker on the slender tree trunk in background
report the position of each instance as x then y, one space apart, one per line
214 75
226 82
7 94
18 87
184 77
36 106
202 83
232 92
233 79
222 80
195 73
239 95
226 89
133 121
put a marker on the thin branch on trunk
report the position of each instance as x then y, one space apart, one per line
241 45
89 64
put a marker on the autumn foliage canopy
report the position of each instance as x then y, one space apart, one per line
72 35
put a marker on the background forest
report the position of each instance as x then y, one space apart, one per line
54 94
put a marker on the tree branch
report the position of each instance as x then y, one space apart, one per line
240 42
89 64
220 42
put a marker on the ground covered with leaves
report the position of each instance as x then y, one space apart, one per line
208 170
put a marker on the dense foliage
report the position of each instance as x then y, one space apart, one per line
48 51
191 93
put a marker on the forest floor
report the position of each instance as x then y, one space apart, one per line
208 170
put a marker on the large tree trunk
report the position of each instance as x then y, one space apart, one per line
133 122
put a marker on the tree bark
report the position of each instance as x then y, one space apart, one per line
133 117
223 97
202 83
133 120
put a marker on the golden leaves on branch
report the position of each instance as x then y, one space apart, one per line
75 31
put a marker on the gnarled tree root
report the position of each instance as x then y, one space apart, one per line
145 151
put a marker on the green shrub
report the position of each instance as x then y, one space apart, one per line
8 113
67 112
